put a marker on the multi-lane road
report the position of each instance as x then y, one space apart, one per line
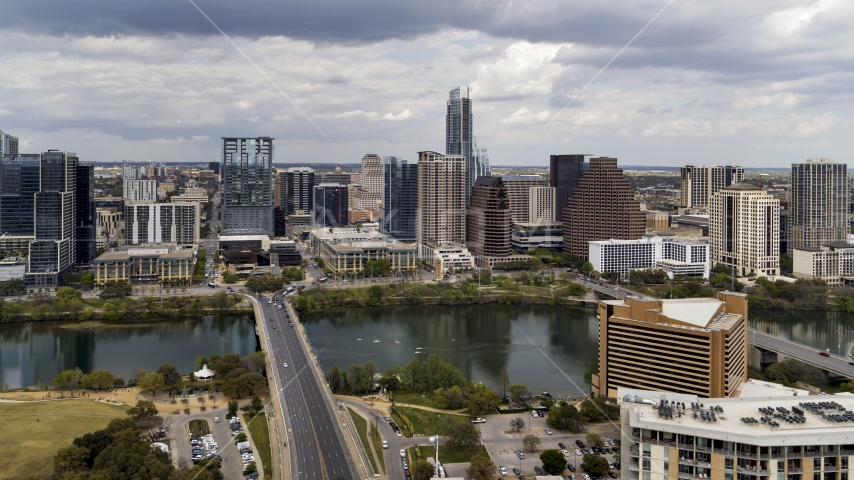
805 353
316 445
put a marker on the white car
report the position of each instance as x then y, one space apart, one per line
385 444
565 453
402 453
285 364
549 431
216 419
502 470
398 433
578 452
481 420
585 476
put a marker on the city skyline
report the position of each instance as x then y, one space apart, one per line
699 83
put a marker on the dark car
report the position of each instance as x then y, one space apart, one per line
570 467
612 474
516 471
538 470
521 477
561 445
579 443
616 465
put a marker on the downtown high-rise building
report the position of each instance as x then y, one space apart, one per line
460 139
488 220
298 191
370 193
441 214
541 204
163 224
400 198
19 183
699 182
8 144
744 230
565 172
52 251
519 194
818 206
330 205
247 186
602 207
135 190
84 218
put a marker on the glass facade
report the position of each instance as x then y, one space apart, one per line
400 198
247 186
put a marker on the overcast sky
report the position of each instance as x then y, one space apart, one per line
759 83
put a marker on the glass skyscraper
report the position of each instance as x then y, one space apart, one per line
460 139
400 198
247 186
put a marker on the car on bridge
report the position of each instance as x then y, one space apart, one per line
824 353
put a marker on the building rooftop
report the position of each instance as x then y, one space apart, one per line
803 421
759 388
518 178
698 313
839 245
743 186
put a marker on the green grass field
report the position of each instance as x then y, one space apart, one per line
199 428
447 455
33 432
378 446
260 432
426 423
361 427
413 398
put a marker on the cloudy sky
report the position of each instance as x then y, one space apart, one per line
760 83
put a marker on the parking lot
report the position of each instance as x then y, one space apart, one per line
221 441
502 446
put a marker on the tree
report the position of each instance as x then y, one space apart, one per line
593 438
68 380
67 295
256 362
254 382
14 286
359 379
200 362
520 394
151 382
235 387
116 290
587 267
421 470
517 423
257 405
98 380
565 417
88 279
503 380
143 410
531 441
481 400
94 442
232 408
459 432
595 465
170 374
334 378
481 468
554 462
223 365
592 369
70 459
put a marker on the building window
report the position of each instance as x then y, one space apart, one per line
816 463
727 476
781 465
728 463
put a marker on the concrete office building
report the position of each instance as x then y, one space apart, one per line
370 194
441 214
400 200
347 260
110 219
528 236
819 203
602 207
191 194
488 219
247 186
699 183
450 257
139 190
153 266
744 440
657 220
298 191
8 144
84 204
318 236
744 230
542 204
176 223
675 256
832 262
52 252
131 172
330 205
565 172
519 194
693 346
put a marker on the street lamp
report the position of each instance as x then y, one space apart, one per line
435 441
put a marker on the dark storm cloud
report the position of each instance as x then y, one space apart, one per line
334 21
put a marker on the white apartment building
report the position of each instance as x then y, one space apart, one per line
699 183
675 256
140 190
174 223
541 204
519 195
441 212
191 194
833 263
744 230
130 172
448 257
670 436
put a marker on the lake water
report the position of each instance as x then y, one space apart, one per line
31 352
543 347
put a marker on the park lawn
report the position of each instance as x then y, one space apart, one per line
94 302
447 455
199 428
378 446
414 398
260 432
361 426
425 422
534 290
33 432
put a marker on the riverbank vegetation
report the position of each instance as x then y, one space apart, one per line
525 289
790 372
68 305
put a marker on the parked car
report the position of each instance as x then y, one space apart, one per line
561 445
479 420
570 467
402 453
385 444
612 474
579 443
502 470
578 452
520 455
538 470
516 471
565 453
549 431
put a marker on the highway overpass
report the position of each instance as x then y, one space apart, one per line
834 364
